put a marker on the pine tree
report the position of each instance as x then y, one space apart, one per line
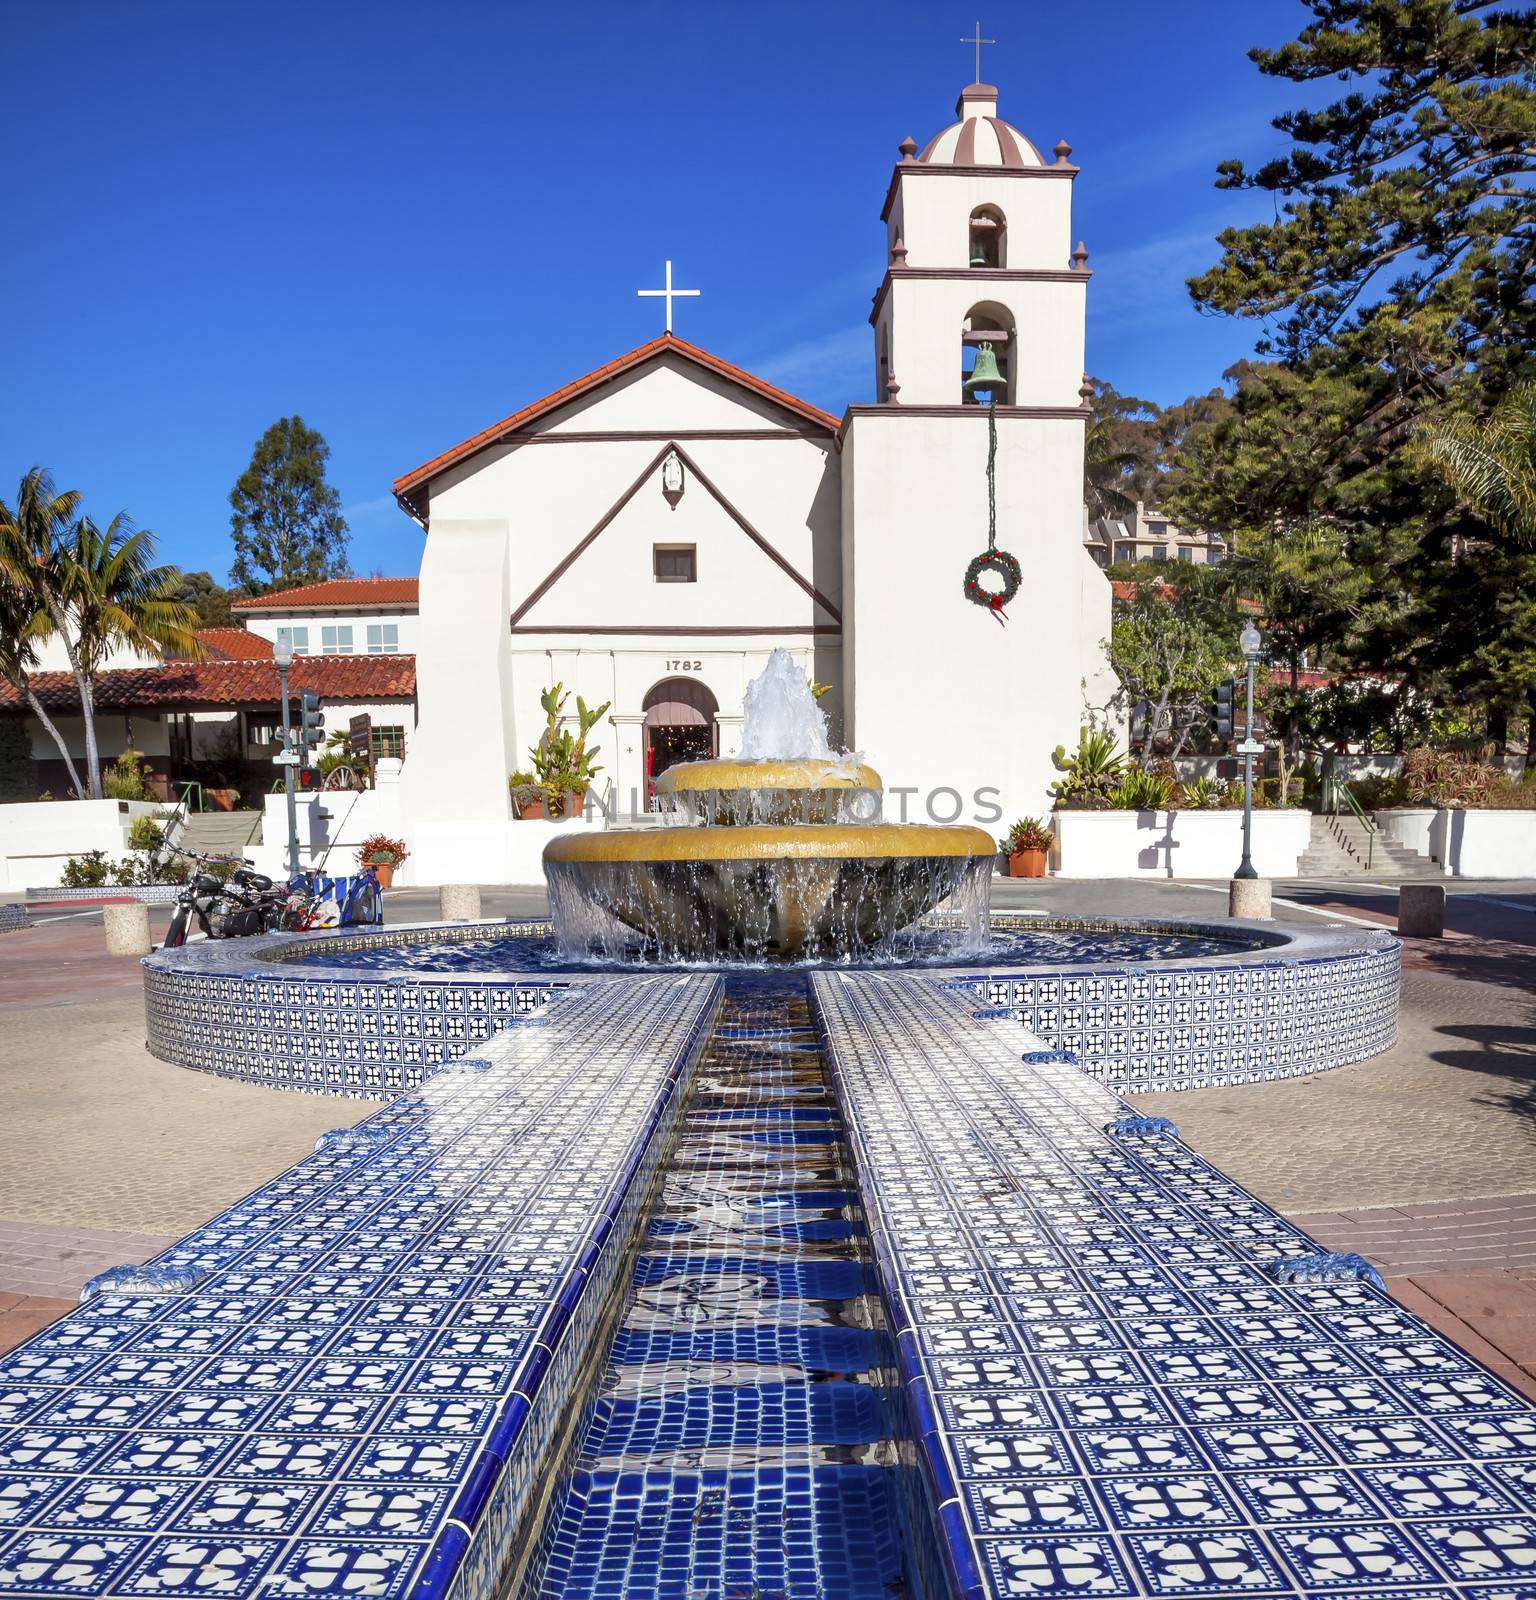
286 519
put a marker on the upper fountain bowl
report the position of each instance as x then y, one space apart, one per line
736 792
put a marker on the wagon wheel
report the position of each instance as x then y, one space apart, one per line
341 778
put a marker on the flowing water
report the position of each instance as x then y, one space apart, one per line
741 1443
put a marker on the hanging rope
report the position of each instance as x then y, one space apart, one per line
998 562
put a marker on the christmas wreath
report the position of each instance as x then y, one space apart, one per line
1007 569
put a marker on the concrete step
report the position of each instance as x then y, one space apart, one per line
1346 847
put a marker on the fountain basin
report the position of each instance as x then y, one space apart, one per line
787 893
730 792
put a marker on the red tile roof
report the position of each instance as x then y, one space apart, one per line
336 592
667 343
189 685
234 644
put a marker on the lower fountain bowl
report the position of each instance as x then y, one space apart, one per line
764 893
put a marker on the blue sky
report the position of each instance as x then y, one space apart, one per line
405 221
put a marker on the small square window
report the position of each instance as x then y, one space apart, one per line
336 640
383 638
298 640
388 741
1186 553
1159 552
675 563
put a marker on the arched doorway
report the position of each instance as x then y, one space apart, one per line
679 726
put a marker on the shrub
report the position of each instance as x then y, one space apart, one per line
17 777
1205 794
1028 833
1144 791
1455 779
1093 772
124 779
89 871
380 844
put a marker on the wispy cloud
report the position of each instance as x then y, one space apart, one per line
839 358
1147 280
364 509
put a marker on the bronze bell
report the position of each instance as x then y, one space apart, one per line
979 254
985 379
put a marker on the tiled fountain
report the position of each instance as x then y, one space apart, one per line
739 1281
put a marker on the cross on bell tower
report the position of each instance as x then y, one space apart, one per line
978 41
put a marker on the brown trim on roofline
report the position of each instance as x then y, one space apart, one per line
980 274
625 435
1026 413
911 168
663 632
709 485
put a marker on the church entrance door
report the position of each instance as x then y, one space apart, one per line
679 726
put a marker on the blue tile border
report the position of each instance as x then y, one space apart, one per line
355 1388
1111 1391
13 916
1302 1000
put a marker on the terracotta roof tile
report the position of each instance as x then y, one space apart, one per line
336 592
234 644
183 685
613 369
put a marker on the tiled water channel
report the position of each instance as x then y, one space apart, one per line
740 1442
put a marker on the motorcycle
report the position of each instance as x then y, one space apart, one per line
235 907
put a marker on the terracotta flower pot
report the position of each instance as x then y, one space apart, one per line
573 802
1026 864
531 811
385 871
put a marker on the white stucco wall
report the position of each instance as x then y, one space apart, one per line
944 694
38 837
357 620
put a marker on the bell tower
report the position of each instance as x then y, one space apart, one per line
979 253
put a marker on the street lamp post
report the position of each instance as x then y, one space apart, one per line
1253 647
283 655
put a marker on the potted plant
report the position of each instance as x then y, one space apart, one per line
1027 844
527 797
383 854
563 763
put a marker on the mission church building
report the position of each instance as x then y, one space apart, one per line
647 534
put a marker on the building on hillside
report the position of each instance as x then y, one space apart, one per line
1148 535
339 617
649 532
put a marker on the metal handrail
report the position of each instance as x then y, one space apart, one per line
189 786
1352 804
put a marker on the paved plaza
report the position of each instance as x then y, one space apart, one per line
1423 1159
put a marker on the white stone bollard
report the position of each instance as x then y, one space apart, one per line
1249 898
1421 911
127 929
459 902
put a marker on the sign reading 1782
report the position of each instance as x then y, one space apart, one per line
684 666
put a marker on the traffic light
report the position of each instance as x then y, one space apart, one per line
311 721
1225 693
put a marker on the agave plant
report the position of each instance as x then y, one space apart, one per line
1092 773
1143 791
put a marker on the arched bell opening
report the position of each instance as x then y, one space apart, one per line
987 345
988 240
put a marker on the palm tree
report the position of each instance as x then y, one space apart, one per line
22 628
94 589
112 594
31 537
1491 465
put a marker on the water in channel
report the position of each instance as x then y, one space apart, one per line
739 1444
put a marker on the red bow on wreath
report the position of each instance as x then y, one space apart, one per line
1007 569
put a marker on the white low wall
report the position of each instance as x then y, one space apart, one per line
1176 844
1412 826
38 836
333 823
1485 844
